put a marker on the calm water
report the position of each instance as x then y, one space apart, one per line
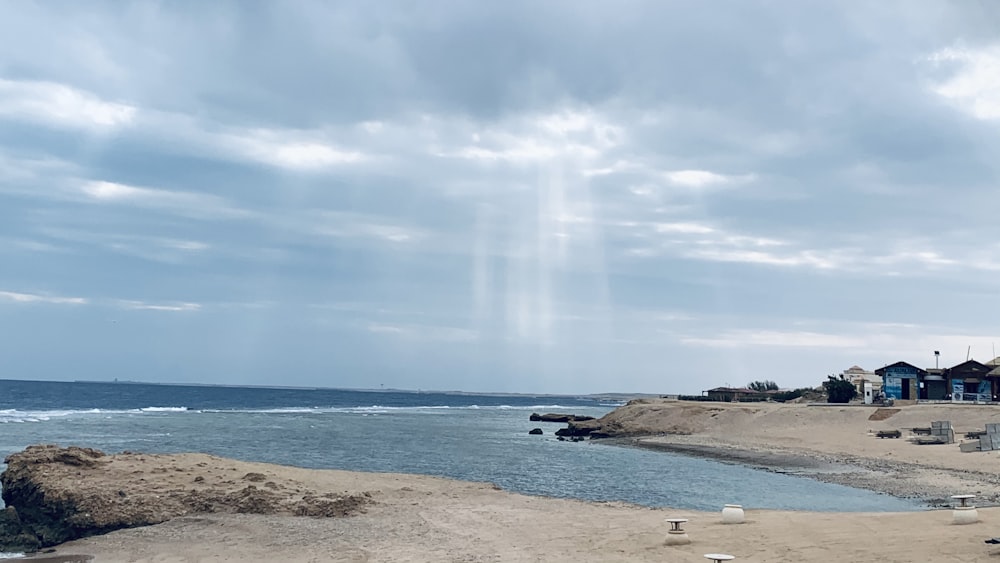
472 437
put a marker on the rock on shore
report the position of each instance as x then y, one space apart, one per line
558 417
55 494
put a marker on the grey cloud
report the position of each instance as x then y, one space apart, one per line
525 179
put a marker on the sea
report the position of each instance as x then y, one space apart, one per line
474 437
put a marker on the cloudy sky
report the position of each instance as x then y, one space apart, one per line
497 196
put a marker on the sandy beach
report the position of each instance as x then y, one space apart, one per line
831 443
427 519
432 520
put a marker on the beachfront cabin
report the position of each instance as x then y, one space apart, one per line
733 394
900 381
970 382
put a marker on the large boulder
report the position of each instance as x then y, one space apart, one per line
58 494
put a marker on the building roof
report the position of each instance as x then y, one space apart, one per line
971 366
881 370
731 390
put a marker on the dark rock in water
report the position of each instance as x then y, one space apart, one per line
535 431
558 417
580 428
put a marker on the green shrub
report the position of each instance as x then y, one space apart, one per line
839 390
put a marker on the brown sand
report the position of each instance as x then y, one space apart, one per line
417 518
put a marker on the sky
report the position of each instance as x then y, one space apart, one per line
522 196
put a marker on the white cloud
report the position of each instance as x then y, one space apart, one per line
775 338
975 85
40 298
167 307
683 228
160 249
18 174
616 167
355 225
696 178
808 258
27 245
424 332
191 204
111 191
577 135
286 149
61 105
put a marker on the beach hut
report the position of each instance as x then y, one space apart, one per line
900 381
733 394
970 382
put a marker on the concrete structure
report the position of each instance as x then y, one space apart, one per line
868 383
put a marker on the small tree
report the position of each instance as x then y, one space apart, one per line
766 385
839 390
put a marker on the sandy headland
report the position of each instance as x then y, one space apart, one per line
194 507
837 444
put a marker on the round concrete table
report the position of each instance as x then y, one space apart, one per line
675 524
963 499
676 535
719 557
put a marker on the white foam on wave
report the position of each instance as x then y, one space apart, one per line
11 555
35 416
19 416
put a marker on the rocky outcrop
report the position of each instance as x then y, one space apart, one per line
535 431
55 494
580 428
558 417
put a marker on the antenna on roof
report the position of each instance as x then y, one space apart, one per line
967 350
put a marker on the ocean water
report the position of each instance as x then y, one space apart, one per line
464 436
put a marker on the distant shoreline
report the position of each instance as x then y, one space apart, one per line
618 397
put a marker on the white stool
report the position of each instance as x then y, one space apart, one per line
719 557
676 535
732 514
